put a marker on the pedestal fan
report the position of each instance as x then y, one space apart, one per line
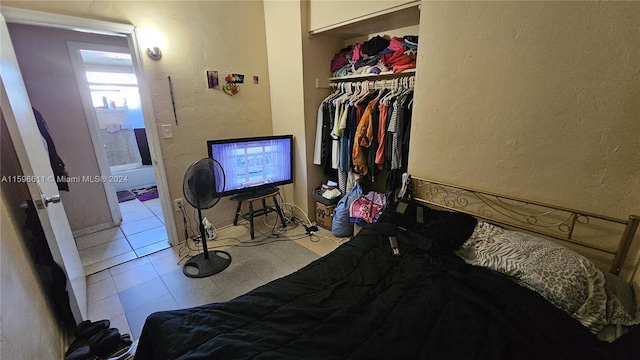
202 186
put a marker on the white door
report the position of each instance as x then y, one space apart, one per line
36 168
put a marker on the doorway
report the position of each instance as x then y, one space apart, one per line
111 101
83 209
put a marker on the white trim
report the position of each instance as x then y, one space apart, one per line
30 17
93 229
153 139
124 167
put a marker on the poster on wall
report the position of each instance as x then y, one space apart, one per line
212 80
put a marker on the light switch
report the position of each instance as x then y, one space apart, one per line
167 131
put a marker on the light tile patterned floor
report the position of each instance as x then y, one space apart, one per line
141 233
127 293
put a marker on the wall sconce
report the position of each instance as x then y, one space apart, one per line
154 53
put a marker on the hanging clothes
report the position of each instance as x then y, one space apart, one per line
57 165
317 148
382 129
363 139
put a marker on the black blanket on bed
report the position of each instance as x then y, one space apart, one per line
362 302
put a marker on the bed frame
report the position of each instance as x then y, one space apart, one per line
587 230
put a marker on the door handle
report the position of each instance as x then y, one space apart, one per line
40 205
54 199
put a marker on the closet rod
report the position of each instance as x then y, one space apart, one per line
380 84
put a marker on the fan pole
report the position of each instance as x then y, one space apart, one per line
203 238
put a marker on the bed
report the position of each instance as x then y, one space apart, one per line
448 292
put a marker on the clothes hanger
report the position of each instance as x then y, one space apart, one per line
347 92
364 91
394 87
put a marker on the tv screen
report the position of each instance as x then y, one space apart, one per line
253 165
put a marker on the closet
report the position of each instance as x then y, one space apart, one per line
377 148
362 132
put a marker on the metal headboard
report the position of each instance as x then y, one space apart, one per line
544 219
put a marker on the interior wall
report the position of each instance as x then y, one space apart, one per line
294 95
283 28
224 36
50 81
537 100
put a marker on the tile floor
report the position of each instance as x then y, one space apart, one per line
127 293
141 233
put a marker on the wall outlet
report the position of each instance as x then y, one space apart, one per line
178 204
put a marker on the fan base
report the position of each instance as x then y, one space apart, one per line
199 266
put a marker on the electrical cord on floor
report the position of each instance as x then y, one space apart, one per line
277 231
290 214
310 229
264 239
261 242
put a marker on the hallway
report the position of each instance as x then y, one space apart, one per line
141 233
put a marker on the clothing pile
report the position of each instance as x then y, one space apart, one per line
361 131
376 55
368 208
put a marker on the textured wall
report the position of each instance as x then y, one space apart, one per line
29 328
226 36
538 100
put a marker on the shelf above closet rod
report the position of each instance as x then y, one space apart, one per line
385 75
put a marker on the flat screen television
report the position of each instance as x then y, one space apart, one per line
254 165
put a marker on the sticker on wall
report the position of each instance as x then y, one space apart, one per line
232 87
235 78
212 80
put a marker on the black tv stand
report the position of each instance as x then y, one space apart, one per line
250 197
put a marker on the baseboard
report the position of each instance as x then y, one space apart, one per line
93 229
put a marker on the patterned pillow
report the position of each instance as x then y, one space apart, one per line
565 278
